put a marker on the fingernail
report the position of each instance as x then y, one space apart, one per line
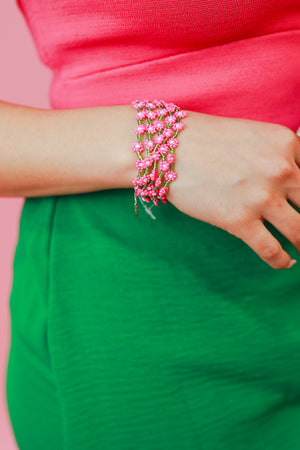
292 262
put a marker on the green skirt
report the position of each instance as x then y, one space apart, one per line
134 333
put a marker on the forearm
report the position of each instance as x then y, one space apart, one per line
58 152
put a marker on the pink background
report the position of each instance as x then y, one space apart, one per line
25 81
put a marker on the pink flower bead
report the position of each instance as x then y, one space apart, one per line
137 191
162 112
168 132
150 128
140 115
173 142
159 139
178 126
150 115
158 103
137 147
171 107
180 114
145 178
171 158
155 156
170 176
164 165
140 164
135 104
150 105
140 129
163 191
143 103
159 125
149 144
158 182
148 162
170 119
163 149
135 182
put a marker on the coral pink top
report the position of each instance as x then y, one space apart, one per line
235 58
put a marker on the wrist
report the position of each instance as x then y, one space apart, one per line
126 156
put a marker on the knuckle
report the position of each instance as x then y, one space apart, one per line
264 198
282 169
296 240
236 220
270 252
287 137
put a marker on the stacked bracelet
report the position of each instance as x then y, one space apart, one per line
149 183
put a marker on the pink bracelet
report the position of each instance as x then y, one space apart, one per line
148 183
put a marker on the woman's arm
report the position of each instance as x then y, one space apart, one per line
57 152
232 173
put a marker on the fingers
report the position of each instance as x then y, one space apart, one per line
258 237
286 219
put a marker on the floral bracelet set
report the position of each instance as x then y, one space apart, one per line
156 169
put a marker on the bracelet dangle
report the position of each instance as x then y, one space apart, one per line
150 183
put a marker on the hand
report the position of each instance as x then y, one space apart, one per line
235 173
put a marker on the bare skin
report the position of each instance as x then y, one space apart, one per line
69 151
232 173
236 173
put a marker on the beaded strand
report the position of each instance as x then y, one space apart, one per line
148 182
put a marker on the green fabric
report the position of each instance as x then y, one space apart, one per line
130 333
